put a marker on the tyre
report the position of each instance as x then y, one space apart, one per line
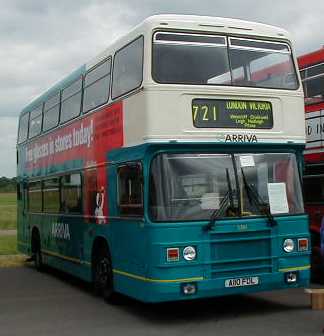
102 274
37 252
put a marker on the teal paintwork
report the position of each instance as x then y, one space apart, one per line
233 248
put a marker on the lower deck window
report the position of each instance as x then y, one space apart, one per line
51 192
61 194
71 194
130 190
35 197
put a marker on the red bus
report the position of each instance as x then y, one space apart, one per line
312 73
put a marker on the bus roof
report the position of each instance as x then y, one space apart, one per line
211 24
311 58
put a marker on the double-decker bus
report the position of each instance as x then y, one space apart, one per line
312 73
169 167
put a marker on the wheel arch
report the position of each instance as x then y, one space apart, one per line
98 243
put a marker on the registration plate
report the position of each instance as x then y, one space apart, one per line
241 282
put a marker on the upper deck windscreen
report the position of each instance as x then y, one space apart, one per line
198 59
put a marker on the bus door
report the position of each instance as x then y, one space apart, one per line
126 204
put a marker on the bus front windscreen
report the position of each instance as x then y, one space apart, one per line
196 59
185 187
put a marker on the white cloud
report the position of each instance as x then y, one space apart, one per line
8 134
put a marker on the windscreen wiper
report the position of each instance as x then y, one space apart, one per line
255 198
217 212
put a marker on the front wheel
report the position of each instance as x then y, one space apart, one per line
103 275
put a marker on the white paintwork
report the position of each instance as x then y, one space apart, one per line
165 114
160 113
314 132
195 23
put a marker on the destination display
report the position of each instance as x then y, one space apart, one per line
217 113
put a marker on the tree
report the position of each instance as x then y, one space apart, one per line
8 184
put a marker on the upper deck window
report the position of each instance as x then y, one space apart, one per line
128 68
313 82
51 112
198 59
23 128
265 64
35 121
71 101
96 86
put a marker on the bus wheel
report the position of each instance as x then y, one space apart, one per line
102 274
37 253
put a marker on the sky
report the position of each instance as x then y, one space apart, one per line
42 41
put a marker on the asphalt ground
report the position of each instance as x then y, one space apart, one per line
51 303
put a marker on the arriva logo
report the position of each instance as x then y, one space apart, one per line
241 138
61 231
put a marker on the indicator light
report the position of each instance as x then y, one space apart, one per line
173 254
302 244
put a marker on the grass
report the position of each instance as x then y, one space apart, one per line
12 260
9 256
8 245
8 211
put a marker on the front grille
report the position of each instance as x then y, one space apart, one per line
241 253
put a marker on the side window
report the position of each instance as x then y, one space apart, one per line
130 190
71 194
71 101
51 192
51 112
23 128
97 86
90 192
35 196
128 68
35 121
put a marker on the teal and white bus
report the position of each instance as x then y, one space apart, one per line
169 166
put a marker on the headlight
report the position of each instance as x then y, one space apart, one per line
189 253
288 245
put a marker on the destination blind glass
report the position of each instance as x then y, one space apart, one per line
242 114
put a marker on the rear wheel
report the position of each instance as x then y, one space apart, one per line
102 274
37 252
